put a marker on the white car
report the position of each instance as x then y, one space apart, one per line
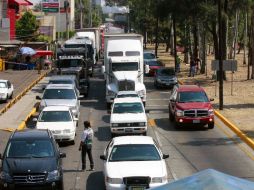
127 94
6 90
60 121
134 162
61 95
128 116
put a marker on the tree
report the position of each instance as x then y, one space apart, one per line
27 27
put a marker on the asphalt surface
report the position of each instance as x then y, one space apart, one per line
190 149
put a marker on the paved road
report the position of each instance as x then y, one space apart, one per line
20 80
190 150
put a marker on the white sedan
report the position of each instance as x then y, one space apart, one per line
133 162
6 90
60 121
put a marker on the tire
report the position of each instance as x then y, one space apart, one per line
211 125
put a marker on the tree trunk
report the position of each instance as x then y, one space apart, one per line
251 44
203 50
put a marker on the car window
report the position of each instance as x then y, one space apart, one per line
133 107
154 63
55 116
29 148
149 56
134 152
185 97
59 94
3 85
166 72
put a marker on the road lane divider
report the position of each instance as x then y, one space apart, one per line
19 96
234 128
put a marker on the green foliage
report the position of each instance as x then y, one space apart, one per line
26 27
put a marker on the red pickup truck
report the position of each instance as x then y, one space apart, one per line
189 104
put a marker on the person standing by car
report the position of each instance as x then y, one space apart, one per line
192 67
86 145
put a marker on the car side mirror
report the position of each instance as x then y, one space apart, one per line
62 155
38 98
80 97
211 99
103 157
165 156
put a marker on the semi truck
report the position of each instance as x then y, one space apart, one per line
123 65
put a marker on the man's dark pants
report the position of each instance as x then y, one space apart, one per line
87 150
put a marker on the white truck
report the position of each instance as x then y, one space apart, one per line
123 65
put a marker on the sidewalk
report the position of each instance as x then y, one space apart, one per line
238 105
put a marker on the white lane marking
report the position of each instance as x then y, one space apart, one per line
159 142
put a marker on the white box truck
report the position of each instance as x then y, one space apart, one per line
123 65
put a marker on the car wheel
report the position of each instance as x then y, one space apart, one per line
73 142
211 125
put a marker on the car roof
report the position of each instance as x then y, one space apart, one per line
186 88
122 140
63 77
127 100
30 134
56 108
127 92
60 86
3 80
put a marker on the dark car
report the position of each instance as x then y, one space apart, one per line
31 159
165 77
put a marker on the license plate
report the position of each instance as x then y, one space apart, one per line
128 130
196 121
136 188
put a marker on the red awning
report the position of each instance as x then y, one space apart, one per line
20 2
43 53
29 3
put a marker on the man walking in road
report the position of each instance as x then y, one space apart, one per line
86 145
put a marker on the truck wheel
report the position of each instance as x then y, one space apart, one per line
211 125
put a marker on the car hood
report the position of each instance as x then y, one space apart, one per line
128 117
77 69
194 105
136 168
59 102
126 75
35 165
163 77
56 125
3 90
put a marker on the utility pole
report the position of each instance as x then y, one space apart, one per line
220 58
66 8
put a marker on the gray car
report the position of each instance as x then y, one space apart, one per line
61 95
165 77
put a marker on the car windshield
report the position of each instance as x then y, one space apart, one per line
29 148
3 85
59 94
126 95
130 66
133 107
166 72
149 56
134 152
186 97
60 82
55 116
154 63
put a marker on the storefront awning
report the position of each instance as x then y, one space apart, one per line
43 53
20 2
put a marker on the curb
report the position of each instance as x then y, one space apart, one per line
19 96
234 128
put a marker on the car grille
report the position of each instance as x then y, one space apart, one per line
126 85
196 113
29 179
128 124
139 181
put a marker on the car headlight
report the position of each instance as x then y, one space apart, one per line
114 124
210 112
179 113
113 180
159 179
142 124
54 175
66 131
5 176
